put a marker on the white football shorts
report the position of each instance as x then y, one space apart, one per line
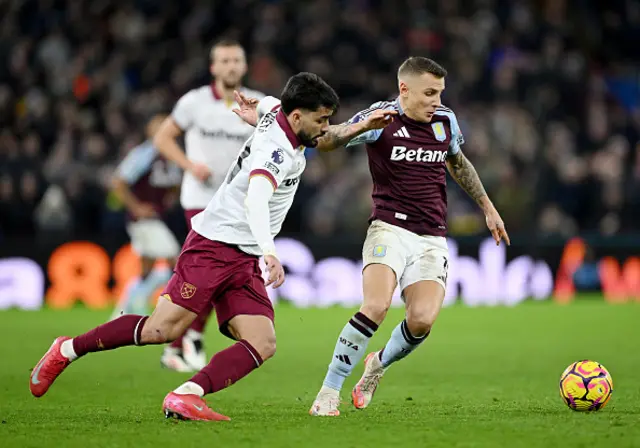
412 257
152 238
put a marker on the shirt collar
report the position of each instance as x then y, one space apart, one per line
400 110
286 127
215 92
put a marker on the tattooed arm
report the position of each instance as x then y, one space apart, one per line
251 111
340 134
466 176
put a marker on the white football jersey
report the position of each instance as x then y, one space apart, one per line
273 151
213 136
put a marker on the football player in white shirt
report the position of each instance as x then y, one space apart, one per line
219 260
213 138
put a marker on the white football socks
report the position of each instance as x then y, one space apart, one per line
190 388
66 348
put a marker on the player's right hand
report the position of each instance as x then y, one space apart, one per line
275 270
248 109
200 171
144 211
379 118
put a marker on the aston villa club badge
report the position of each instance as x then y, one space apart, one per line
438 131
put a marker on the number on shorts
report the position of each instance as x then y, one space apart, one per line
445 267
238 166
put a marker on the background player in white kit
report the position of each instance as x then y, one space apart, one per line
219 261
214 136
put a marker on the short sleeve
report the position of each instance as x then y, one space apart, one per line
266 105
366 137
136 164
184 110
271 161
457 139
372 135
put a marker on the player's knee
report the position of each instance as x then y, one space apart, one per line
376 310
158 332
265 346
268 349
420 322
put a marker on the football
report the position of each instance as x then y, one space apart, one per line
586 386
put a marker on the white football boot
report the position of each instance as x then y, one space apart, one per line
363 391
193 350
326 403
172 359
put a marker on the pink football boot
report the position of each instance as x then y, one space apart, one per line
189 407
48 368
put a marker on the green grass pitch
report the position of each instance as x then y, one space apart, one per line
487 377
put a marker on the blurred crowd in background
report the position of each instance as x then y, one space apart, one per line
547 93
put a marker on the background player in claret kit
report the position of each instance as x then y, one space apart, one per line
146 183
405 243
219 261
213 139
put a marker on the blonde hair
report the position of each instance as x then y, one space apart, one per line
224 43
417 65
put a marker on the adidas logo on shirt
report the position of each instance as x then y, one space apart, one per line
402 132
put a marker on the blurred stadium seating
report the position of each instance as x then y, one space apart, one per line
547 93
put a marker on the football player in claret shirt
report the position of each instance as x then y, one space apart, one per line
405 244
147 184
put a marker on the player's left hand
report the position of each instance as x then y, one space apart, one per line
496 227
275 270
248 109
